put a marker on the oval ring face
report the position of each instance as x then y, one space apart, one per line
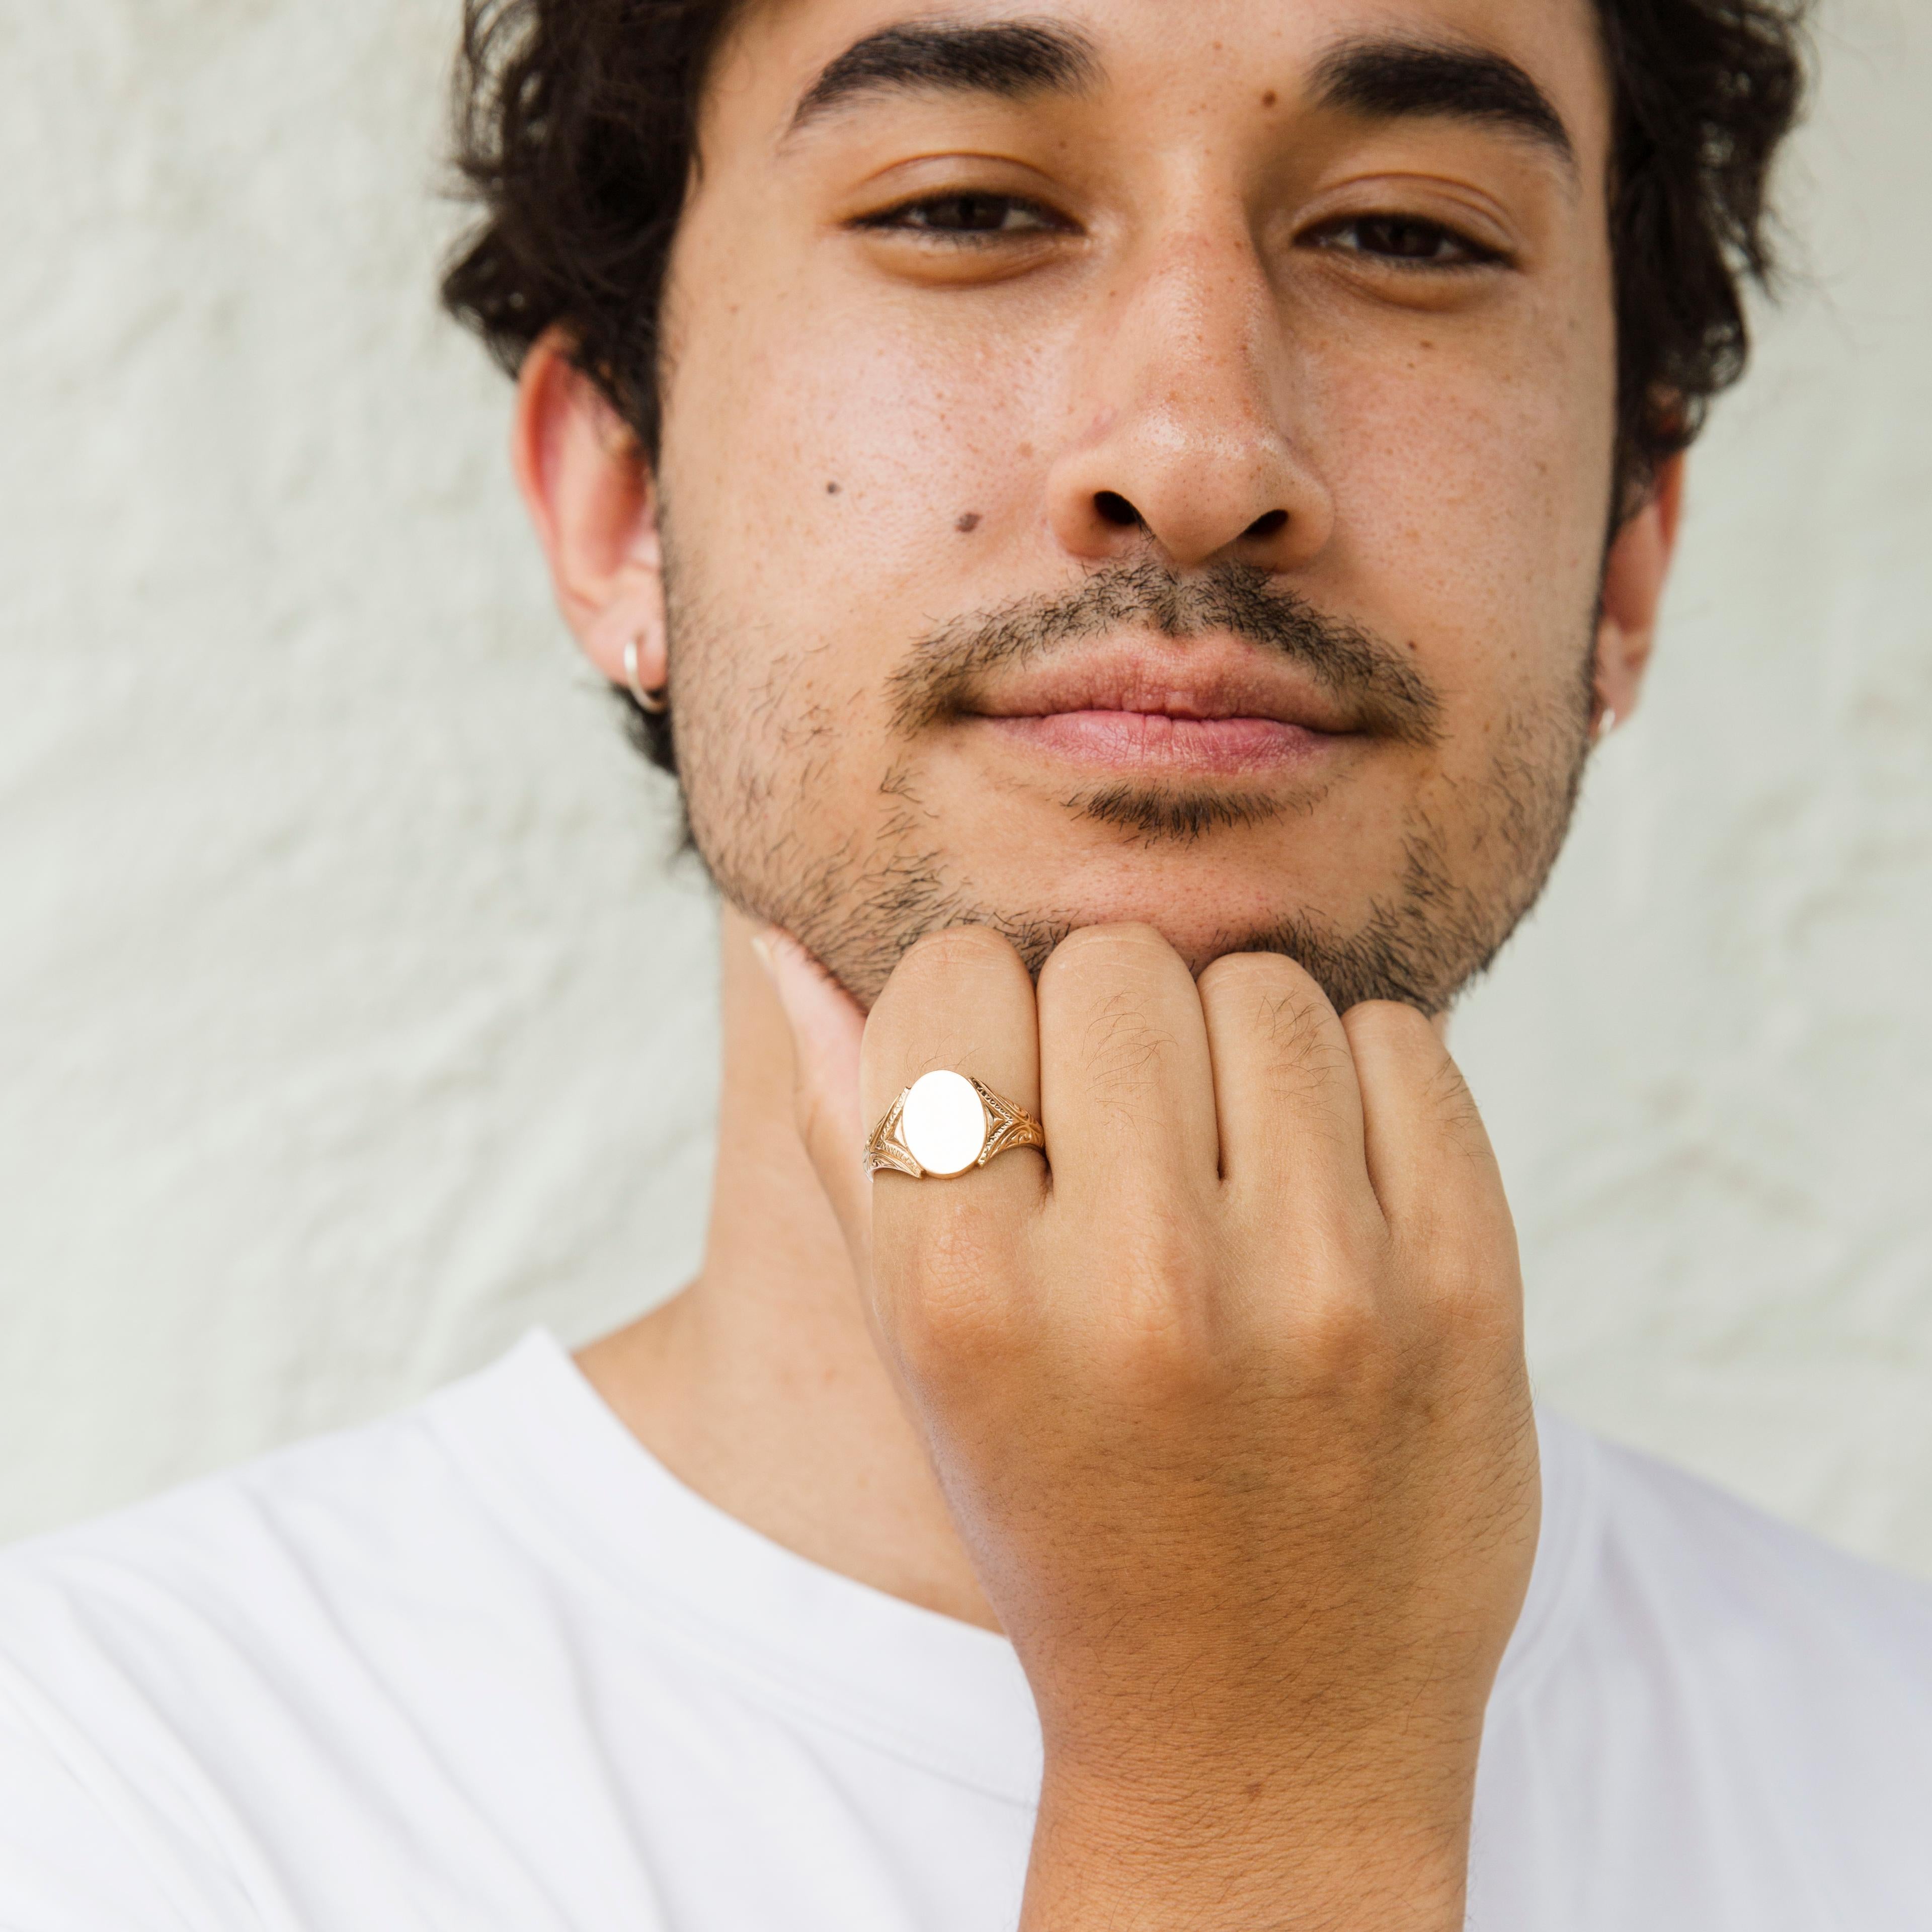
944 1123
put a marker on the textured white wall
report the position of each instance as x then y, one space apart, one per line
350 1019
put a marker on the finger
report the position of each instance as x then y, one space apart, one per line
1125 1071
944 1248
1287 1100
962 1001
1429 1156
826 1029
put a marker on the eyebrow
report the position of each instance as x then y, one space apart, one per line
1008 59
1391 80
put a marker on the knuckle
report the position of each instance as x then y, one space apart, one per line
1471 1279
1156 1346
1242 980
1108 991
1390 1024
952 950
1122 1041
946 1302
1302 1037
1152 1291
1108 953
1343 1324
1342 1348
1453 1107
1271 1006
957 996
1404 1040
1160 1267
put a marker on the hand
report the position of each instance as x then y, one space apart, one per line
1229 1407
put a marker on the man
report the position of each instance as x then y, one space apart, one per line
1126 521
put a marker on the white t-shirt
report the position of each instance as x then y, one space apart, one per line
488 1667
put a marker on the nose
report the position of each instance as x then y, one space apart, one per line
1184 434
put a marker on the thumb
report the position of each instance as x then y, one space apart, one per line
826 1028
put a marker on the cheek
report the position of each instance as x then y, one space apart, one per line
855 464
1472 487
819 465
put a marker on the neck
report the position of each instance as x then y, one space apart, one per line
759 1386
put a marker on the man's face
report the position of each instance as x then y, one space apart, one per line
1126 460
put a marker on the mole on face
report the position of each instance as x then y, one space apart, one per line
1268 99
832 489
968 524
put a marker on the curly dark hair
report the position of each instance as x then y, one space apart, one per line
576 130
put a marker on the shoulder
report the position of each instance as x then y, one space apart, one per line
154 1662
1707 1717
1765 1689
1677 1557
1658 1593
403 1503
252 1545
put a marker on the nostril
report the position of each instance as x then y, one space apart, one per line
1116 510
1267 526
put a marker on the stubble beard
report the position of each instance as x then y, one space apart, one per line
756 765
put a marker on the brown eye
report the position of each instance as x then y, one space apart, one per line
967 214
1404 239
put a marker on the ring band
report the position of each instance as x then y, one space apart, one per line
945 1124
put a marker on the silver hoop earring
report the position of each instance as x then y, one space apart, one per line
656 701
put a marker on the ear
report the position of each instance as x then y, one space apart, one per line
1634 575
592 497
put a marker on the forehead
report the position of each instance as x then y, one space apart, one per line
1168 53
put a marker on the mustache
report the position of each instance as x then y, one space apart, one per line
1371 679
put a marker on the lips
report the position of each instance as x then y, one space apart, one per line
1212 706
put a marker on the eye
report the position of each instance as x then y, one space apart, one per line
969 215
1405 239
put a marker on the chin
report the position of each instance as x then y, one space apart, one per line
1202 923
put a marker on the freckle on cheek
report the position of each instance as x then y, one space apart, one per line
969 522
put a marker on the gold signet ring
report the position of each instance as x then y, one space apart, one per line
944 1123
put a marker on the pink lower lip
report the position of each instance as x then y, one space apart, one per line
1151 741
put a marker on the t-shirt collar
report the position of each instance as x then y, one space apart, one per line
943 1695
